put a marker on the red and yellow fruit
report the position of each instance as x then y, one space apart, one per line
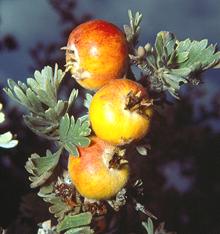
97 52
120 112
91 174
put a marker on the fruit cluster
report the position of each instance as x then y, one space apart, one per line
119 113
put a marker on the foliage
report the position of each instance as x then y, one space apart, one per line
6 139
46 227
148 225
132 31
41 168
48 116
74 133
76 222
171 63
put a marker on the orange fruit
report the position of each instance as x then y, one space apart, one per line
90 172
97 52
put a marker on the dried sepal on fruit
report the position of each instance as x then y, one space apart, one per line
96 52
121 112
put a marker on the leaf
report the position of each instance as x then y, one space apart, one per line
39 96
72 97
217 65
45 190
9 145
58 76
183 72
81 230
178 62
74 133
41 168
132 31
64 127
173 83
84 118
51 115
2 117
22 97
60 108
87 101
165 45
11 83
44 97
6 140
182 57
72 149
198 52
141 150
46 228
35 102
128 32
149 226
59 208
73 221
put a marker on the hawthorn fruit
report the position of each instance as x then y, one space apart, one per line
96 52
120 112
92 174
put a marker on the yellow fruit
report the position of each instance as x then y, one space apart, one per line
120 112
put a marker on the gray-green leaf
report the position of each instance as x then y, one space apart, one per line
149 226
74 133
41 168
73 221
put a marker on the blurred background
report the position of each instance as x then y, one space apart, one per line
181 173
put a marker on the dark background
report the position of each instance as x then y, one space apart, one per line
181 173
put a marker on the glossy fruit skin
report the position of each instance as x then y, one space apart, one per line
109 118
101 53
90 172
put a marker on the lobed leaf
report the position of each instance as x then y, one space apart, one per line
64 127
132 31
74 133
177 62
149 226
74 221
165 45
72 149
39 96
59 208
6 139
41 168
35 102
198 52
